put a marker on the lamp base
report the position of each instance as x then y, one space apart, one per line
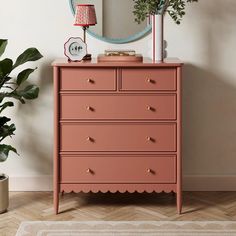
88 57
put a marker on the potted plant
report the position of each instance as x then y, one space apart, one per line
10 89
157 9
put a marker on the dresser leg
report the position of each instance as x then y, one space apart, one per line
56 202
179 202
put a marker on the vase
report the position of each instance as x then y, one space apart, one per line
157 38
4 193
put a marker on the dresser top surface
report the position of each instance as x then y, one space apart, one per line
147 62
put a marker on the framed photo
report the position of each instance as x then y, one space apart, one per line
75 49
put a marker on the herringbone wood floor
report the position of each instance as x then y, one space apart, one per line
86 207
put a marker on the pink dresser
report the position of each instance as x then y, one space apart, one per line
117 127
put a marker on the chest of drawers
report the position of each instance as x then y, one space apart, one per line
117 127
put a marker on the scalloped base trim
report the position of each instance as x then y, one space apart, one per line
121 188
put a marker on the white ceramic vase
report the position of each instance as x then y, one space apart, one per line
157 38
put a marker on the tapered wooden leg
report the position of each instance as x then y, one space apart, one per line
56 186
56 202
179 202
179 142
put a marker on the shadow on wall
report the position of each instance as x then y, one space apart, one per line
209 92
209 117
36 125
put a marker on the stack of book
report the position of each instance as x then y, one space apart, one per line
120 56
120 53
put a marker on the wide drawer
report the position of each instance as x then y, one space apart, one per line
158 169
148 79
118 137
87 79
153 107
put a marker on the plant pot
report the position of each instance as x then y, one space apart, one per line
157 37
4 193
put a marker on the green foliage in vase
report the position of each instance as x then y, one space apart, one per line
14 89
175 8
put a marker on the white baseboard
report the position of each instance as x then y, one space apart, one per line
190 183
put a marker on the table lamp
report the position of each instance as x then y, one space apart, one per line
85 16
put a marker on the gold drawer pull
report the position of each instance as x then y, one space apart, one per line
90 108
90 139
150 171
89 171
151 81
151 139
151 108
90 81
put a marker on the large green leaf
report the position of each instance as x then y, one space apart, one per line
5 105
24 75
7 130
30 54
5 79
3 45
15 94
6 67
4 120
4 151
2 96
29 92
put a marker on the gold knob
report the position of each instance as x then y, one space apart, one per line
151 171
151 108
151 139
89 139
88 170
151 81
91 81
89 108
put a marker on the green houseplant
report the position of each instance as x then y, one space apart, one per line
175 8
157 9
12 89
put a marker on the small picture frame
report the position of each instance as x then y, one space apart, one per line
75 49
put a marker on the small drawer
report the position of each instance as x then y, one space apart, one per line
88 79
116 107
149 79
113 169
88 137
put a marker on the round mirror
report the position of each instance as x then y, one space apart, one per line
115 21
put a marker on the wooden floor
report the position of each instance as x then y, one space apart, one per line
27 206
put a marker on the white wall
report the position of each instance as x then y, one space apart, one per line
115 25
205 41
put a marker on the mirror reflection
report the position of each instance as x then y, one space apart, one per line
115 18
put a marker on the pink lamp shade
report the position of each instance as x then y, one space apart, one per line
85 15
